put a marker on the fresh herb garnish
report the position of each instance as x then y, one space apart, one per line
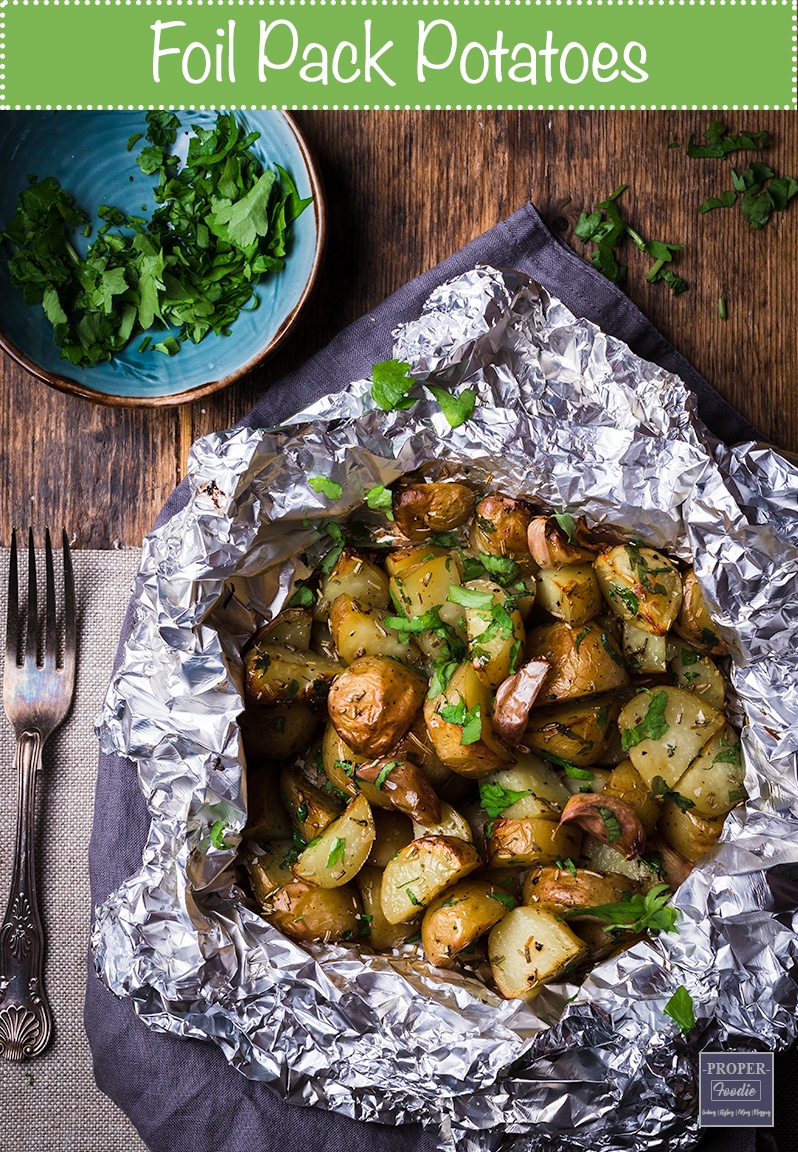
390 384
302 598
380 497
639 913
456 409
217 834
567 523
680 1009
660 788
329 488
385 772
721 144
729 754
611 823
336 855
221 224
651 727
566 866
504 898
495 799
470 597
606 228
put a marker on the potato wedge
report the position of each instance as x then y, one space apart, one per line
690 833
373 702
458 722
459 916
528 947
358 577
628 785
715 781
306 913
583 660
570 593
577 731
375 929
643 871
277 675
495 644
403 559
359 631
697 673
451 823
291 629
694 622
531 840
641 586
561 890
643 651
268 868
311 810
500 527
421 871
341 850
663 731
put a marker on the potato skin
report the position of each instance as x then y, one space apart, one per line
422 509
583 661
305 912
459 916
641 586
486 753
374 701
561 891
694 622
500 527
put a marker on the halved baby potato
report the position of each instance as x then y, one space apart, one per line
528 947
356 576
577 731
277 675
664 730
341 850
373 702
421 509
419 872
308 913
375 929
458 722
493 644
697 673
359 631
570 593
641 586
583 660
531 840
562 890
694 622
715 781
459 916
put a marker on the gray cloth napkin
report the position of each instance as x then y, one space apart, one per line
180 1093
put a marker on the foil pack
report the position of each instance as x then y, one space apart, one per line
569 415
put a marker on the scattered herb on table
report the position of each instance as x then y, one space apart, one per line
760 191
221 224
606 228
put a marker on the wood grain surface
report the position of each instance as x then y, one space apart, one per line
405 189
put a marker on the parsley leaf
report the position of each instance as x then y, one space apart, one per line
336 855
217 834
651 727
680 1009
390 384
329 488
639 913
382 498
456 409
495 799
660 788
470 597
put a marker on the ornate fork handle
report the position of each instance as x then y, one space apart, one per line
26 1022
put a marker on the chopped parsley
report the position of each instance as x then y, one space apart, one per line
336 855
329 488
470 597
390 384
660 788
567 524
652 726
380 497
611 823
302 598
385 772
504 898
495 799
680 1009
217 834
456 409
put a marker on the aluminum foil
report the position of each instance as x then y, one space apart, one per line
568 415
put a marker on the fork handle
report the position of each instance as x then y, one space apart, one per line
26 1022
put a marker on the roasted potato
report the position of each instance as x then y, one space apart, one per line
308 913
628 785
694 622
715 781
577 731
355 576
459 916
571 593
687 831
277 675
641 586
500 527
374 701
451 823
291 629
573 889
341 850
358 631
697 673
268 868
643 651
529 946
374 928
583 660
495 645
311 809
417 874
530 840
664 730
421 509
458 721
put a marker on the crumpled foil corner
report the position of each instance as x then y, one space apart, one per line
569 414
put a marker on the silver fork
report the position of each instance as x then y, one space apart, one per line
37 691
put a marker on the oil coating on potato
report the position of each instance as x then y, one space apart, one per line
500 527
694 622
421 509
459 916
458 721
641 586
373 703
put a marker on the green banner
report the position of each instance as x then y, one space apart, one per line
399 53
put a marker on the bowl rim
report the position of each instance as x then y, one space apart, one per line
173 400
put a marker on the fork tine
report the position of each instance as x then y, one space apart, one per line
50 635
33 612
12 640
70 615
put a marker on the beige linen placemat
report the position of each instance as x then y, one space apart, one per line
52 1102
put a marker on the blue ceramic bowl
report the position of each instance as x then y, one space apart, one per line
87 153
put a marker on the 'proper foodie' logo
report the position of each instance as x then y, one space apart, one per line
736 1089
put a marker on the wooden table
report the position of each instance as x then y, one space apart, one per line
406 189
